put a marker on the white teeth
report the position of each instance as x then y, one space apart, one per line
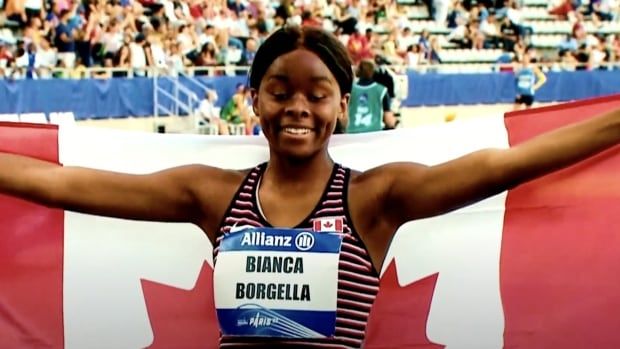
296 131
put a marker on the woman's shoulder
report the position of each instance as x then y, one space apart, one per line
218 176
370 184
378 180
215 188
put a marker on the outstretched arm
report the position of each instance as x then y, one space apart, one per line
415 191
169 195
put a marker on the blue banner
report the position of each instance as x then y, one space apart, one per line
494 88
125 97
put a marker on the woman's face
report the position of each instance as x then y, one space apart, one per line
298 103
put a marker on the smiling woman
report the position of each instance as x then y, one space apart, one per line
333 222
285 94
289 96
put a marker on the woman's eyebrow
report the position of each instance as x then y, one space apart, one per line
316 78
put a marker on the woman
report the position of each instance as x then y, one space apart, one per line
300 81
528 79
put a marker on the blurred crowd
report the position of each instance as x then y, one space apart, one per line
171 35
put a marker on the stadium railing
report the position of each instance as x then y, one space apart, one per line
105 73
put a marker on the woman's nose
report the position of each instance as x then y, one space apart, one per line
297 106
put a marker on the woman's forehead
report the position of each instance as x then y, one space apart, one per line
299 64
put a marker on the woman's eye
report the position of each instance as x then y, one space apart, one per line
316 98
279 95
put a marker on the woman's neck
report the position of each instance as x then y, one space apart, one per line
291 172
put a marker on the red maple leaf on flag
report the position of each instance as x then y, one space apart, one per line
183 318
390 327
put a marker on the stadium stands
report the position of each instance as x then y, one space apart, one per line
171 35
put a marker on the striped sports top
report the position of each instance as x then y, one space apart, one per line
358 282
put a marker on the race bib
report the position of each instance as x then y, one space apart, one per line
277 283
525 82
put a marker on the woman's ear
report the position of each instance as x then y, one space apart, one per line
254 95
343 114
344 104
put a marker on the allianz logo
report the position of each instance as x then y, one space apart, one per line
304 241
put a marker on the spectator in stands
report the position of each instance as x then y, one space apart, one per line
379 10
235 28
565 9
251 47
460 34
46 59
424 41
569 43
105 71
309 19
568 62
140 55
373 40
188 41
440 10
123 56
236 6
613 47
79 70
515 15
155 47
283 12
457 16
369 105
602 9
207 56
176 60
414 56
237 111
36 30
16 11
405 39
582 56
6 58
112 38
476 37
329 12
207 35
26 62
528 78
598 55
358 47
510 34
433 56
388 54
347 17
209 114
65 39
490 30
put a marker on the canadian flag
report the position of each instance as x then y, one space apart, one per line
536 267
328 224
